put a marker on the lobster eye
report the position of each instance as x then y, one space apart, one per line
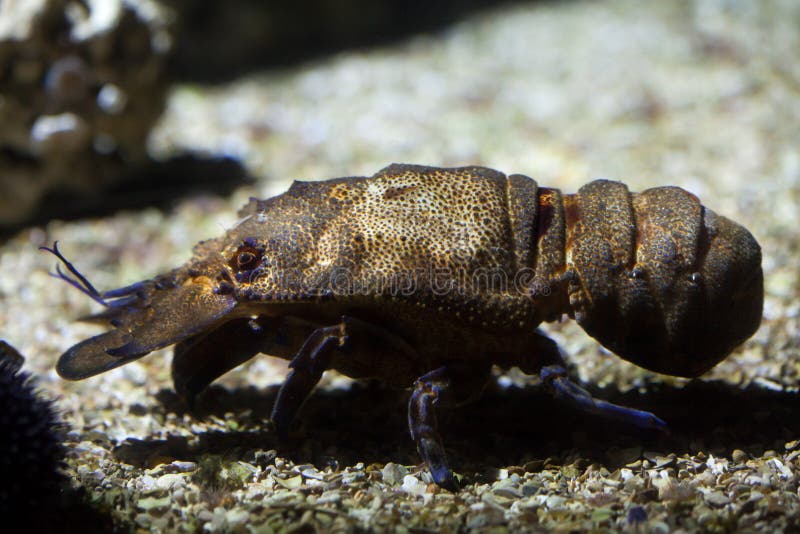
245 259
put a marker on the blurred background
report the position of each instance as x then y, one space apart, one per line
108 104
132 129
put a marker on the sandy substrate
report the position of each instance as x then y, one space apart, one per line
704 95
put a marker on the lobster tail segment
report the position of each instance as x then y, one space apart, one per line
658 278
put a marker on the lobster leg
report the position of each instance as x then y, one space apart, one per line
201 359
442 387
350 336
549 365
555 379
307 367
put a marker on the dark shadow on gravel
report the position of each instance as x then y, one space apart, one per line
508 427
77 514
158 184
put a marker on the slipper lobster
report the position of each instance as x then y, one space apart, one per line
426 277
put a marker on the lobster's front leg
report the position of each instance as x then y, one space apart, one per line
199 360
307 366
351 335
443 387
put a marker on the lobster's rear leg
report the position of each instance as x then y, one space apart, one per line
550 366
443 387
556 380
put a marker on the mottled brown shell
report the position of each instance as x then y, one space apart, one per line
655 277
455 258
661 280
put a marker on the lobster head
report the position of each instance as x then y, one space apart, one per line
145 316
264 264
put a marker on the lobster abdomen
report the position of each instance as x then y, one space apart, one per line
658 278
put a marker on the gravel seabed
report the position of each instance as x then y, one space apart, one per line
704 95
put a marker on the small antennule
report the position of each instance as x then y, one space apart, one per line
81 284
